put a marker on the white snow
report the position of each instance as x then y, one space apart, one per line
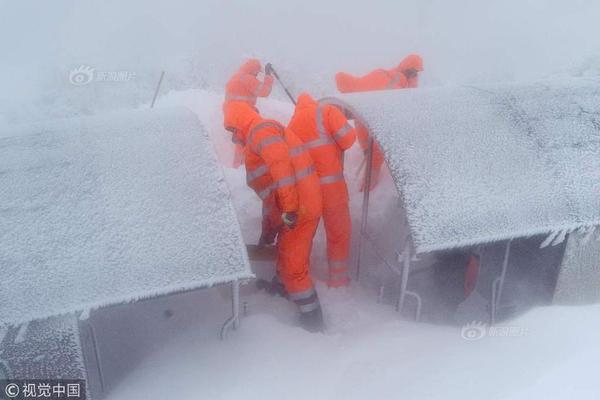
368 352
109 209
482 164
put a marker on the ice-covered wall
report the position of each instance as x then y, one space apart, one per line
109 209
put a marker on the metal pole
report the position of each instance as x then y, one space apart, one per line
276 75
498 284
365 206
234 320
404 279
162 75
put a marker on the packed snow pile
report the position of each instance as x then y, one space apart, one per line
109 209
482 164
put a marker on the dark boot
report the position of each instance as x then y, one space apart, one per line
274 288
312 321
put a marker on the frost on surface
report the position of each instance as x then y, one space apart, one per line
579 275
481 164
103 210
48 349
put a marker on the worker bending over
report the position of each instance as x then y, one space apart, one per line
282 173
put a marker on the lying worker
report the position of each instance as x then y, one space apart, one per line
245 86
283 175
327 134
405 75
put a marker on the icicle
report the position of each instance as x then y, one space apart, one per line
20 338
588 234
85 315
549 239
560 237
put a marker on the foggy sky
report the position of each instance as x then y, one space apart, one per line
462 41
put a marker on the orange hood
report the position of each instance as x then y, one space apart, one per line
305 100
252 66
412 61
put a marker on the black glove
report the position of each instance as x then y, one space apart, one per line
268 69
290 219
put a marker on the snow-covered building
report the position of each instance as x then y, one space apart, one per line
479 166
100 211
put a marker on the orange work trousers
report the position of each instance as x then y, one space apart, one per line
294 247
338 229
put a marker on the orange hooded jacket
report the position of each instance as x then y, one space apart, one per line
276 163
282 174
326 133
244 86
410 67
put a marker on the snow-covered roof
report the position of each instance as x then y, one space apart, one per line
481 164
103 210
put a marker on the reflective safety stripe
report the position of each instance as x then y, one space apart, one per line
308 307
296 151
342 132
262 125
302 295
258 172
337 274
233 97
303 173
338 270
337 263
267 141
306 301
324 139
265 193
320 126
288 180
331 179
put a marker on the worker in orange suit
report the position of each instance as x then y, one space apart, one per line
245 86
326 134
282 173
405 75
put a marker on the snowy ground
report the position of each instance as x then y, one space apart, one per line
368 351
